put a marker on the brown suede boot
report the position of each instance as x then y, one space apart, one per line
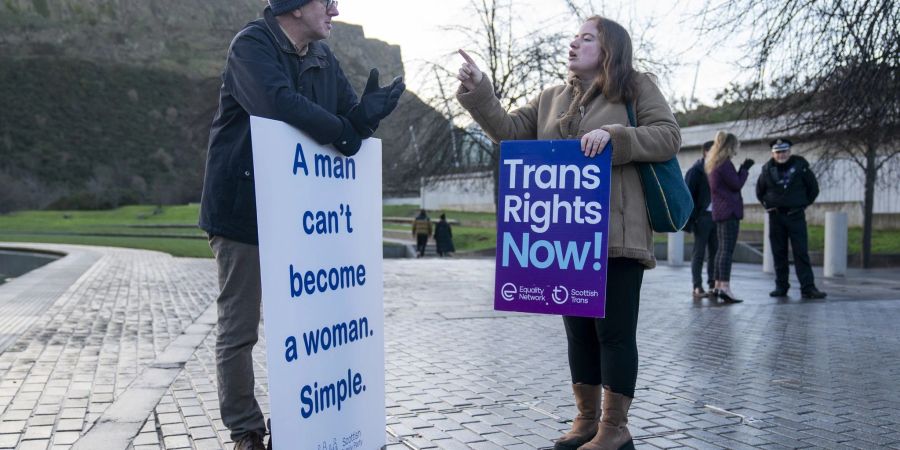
612 434
584 427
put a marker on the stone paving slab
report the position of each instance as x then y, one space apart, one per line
24 299
94 340
762 374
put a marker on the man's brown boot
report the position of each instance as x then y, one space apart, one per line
250 441
612 434
584 427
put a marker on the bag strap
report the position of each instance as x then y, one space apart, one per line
629 108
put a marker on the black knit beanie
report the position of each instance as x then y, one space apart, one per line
282 6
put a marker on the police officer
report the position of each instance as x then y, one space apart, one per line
786 186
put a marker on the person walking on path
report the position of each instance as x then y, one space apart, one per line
443 237
702 226
421 230
786 186
725 185
277 67
591 106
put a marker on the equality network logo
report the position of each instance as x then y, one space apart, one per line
509 291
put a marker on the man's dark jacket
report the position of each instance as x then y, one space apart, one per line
265 76
698 184
800 191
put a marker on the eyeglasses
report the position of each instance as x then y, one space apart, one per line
780 151
329 4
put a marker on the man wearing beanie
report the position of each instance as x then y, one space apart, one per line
786 186
278 68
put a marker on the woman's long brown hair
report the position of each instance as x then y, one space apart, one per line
617 79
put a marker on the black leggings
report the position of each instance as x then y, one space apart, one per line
604 351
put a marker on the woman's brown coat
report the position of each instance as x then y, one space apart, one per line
656 138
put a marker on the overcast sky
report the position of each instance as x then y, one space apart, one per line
416 27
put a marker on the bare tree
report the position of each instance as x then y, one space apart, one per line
826 68
647 56
519 63
425 143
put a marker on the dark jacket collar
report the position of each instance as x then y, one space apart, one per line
698 166
797 162
316 48
699 163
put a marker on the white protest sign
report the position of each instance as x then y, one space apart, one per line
320 247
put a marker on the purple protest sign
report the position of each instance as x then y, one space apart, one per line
551 229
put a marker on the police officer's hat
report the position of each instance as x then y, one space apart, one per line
780 145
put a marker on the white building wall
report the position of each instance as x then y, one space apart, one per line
461 192
841 186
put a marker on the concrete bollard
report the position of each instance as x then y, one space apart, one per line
835 261
676 249
768 259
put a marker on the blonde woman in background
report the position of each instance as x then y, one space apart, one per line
725 185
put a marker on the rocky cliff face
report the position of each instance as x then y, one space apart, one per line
189 36
91 74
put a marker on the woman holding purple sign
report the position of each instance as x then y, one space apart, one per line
591 106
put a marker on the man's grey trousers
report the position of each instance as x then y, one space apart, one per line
238 327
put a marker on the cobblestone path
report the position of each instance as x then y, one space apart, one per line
133 328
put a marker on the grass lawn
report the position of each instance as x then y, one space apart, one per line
467 239
150 228
194 248
883 241
147 227
411 211
128 219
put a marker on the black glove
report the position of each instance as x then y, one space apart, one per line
376 103
747 164
349 141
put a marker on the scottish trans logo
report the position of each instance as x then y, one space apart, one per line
560 295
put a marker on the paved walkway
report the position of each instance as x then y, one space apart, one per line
122 357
